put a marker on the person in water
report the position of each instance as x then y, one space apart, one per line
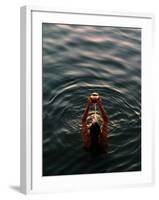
95 135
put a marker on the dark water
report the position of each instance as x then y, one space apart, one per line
79 60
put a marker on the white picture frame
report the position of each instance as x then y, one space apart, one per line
32 180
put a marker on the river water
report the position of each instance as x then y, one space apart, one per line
79 60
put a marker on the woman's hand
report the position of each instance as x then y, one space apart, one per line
89 100
99 102
94 98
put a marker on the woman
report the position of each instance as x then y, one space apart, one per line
95 135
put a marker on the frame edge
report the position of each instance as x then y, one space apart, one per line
25 100
25 90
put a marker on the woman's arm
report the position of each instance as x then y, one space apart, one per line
103 112
85 114
104 131
85 135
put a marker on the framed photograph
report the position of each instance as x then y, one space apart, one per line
86 100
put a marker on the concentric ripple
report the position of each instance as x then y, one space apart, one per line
79 60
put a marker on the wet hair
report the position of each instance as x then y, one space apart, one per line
94 136
94 133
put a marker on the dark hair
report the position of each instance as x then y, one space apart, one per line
94 133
